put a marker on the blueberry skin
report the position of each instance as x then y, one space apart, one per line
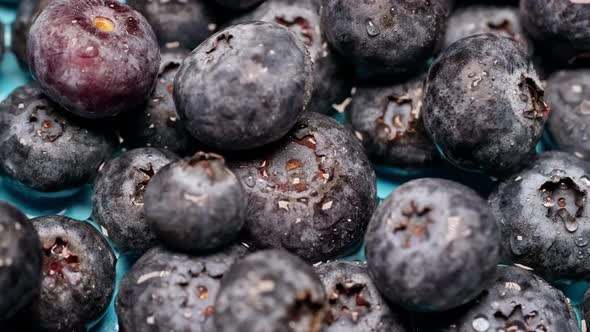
118 199
568 95
479 89
387 119
559 26
354 303
543 216
20 261
432 245
518 300
384 38
485 18
332 82
157 124
231 91
45 147
238 4
312 193
270 290
26 13
78 274
195 203
170 291
176 21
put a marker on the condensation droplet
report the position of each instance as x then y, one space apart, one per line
372 28
480 323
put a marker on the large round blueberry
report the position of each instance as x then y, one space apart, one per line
543 216
244 87
517 301
270 291
559 26
26 13
302 17
157 124
47 148
387 120
184 23
312 193
354 303
169 291
118 202
384 38
484 105
97 58
490 18
195 203
20 261
78 274
238 4
432 245
568 95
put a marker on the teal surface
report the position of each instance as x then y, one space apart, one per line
77 205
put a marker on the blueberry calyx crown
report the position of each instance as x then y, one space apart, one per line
57 258
564 200
413 228
347 300
540 109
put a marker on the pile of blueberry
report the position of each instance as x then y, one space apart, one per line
208 131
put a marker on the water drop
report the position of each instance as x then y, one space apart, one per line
480 323
471 75
249 181
372 29
571 225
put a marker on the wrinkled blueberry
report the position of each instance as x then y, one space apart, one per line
26 13
560 27
387 120
97 58
568 94
312 193
331 79
78 275
490 18
157 124
20 261
270 291
195 203
384 38
169 291
432 245
518 301
118 200
47 148
232 90
543 216
484 104
185 23
238 4
354 303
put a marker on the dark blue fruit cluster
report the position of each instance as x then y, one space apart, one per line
296 166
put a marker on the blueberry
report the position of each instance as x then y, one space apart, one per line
312 193
543 216
568 94
169 291
479 89
486 18
78 274
387 120
517 301
195 203
232 93
185 23
384 38
238 4
20 261
270 291
96 58
157 124
354 303
45 147
26 13
118 200
559 26
302 17
432 245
